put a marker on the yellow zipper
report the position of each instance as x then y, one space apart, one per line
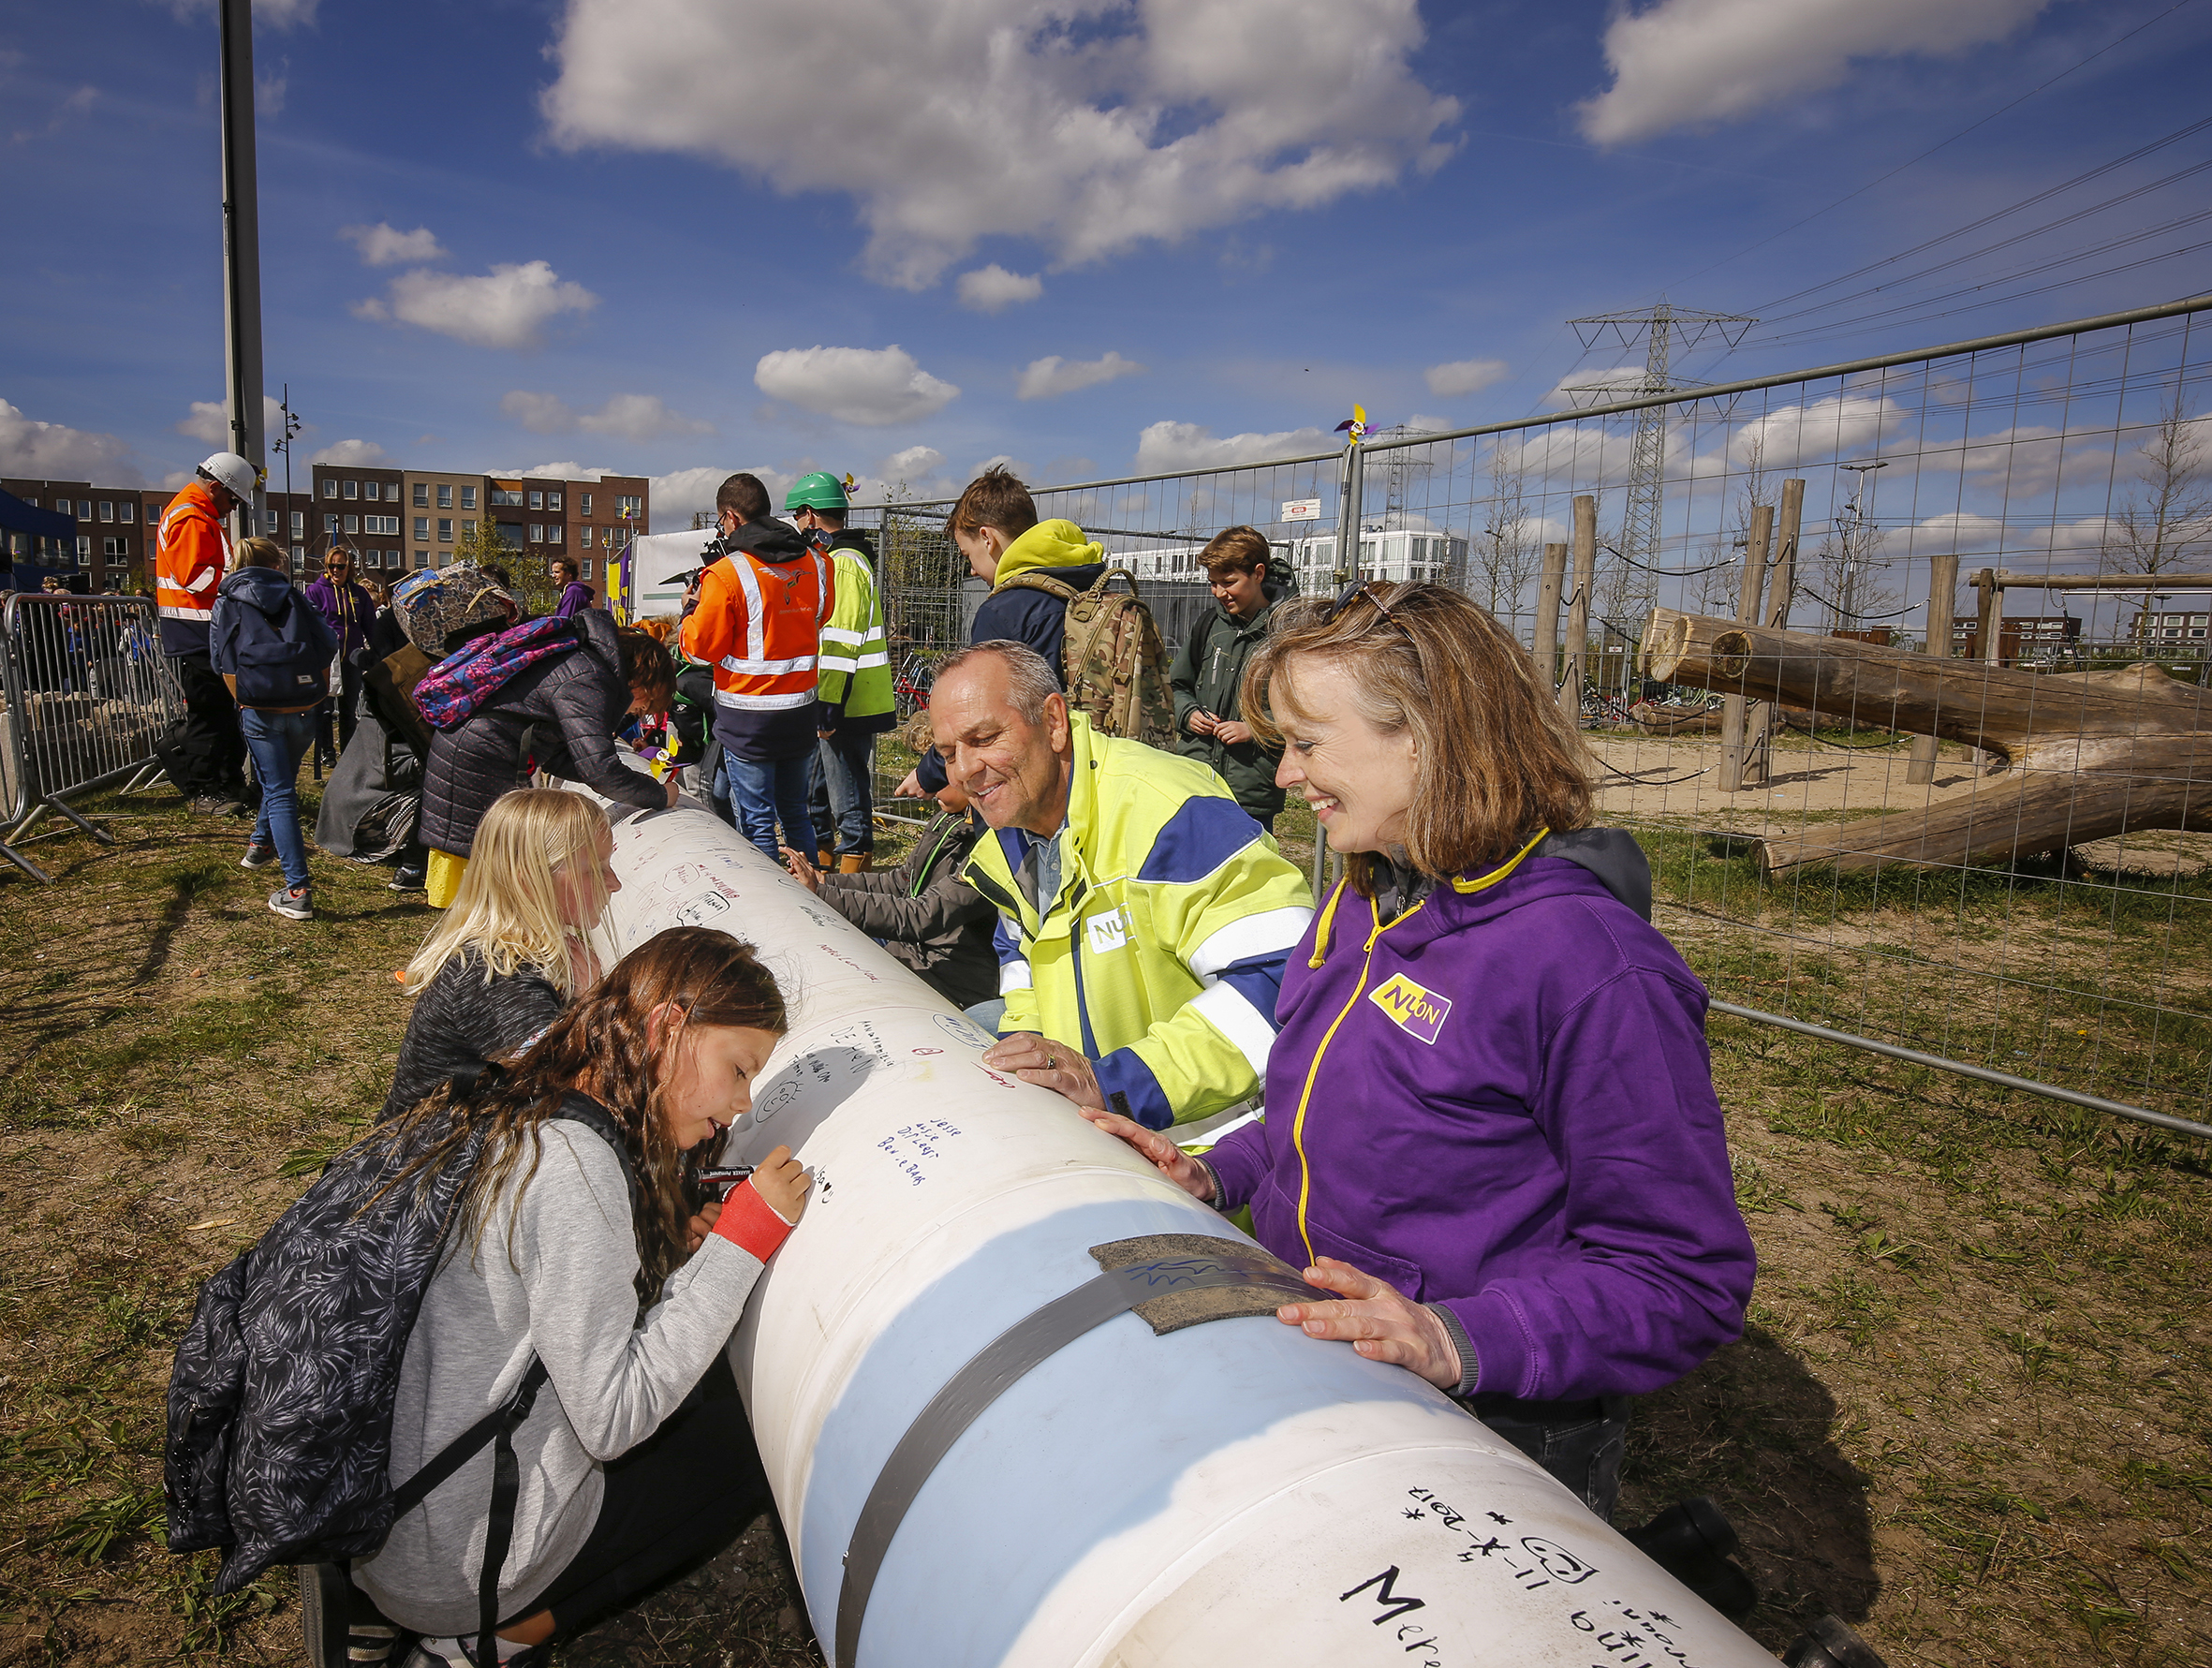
1313 1070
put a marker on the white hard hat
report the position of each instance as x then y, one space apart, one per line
227 469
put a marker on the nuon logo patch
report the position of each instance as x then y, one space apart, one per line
1421 1011
1108 931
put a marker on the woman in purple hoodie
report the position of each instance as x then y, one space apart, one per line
1491 1128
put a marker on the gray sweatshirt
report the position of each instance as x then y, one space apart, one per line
558 1285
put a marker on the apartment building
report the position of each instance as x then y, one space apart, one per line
395 520
442 509
363 508
115 527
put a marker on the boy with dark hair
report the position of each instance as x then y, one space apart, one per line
1210 669
754 614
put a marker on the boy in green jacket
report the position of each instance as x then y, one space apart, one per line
1209 668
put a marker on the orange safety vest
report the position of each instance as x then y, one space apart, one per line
191 552
759 624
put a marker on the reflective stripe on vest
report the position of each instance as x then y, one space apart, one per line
169 611
765 675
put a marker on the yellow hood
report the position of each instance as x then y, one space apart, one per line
1048 544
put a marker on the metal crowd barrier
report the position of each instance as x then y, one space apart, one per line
88 694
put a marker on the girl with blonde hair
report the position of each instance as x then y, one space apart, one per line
515 948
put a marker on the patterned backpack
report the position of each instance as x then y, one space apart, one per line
280 1401
453 691
1112 661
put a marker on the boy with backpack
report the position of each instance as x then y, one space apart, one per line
274 651
1052 592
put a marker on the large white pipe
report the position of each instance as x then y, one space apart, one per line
1232 1491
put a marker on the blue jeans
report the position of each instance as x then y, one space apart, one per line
845 790
278 741
764 792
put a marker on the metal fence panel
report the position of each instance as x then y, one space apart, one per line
87 694
1921 501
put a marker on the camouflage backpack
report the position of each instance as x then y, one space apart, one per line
1113 663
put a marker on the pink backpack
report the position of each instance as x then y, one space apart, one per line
451 691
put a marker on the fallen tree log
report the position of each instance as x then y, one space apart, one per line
1654 719
2080 756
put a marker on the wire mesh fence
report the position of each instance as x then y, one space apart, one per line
1887 822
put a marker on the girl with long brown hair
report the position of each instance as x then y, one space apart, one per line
573 1246
1492 1139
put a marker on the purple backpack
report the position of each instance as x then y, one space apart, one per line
451 691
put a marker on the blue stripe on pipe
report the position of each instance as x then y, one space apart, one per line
1050 1470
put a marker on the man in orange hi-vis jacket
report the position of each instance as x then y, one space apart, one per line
191 554
754 614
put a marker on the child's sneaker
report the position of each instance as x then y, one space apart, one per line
259 854
293 903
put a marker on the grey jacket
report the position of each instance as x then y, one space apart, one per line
559 1286
563 712
926 914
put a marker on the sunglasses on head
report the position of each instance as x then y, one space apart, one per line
1370 589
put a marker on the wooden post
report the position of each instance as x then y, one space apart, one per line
1780 593
1546 648
1942 599
1578 606
1989 618
1734 710
1781 590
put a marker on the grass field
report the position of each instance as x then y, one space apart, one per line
1970 1413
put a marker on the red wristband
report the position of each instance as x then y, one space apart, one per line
748 1223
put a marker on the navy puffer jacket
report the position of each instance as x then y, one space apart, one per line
563 712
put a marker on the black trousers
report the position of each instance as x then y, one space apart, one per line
680 1496
214 746
1581 1443
346 699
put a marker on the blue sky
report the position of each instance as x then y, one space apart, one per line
614 233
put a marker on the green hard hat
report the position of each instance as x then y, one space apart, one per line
819 491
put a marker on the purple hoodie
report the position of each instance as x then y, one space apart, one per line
1505 1110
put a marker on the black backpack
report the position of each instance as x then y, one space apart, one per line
280 1402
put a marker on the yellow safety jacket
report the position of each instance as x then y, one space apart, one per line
1161 951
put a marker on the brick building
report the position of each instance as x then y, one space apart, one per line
365 510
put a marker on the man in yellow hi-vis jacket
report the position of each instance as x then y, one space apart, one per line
854 694
1145 918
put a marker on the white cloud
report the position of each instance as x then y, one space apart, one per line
268 92
55 451
210 421
1464 377
1422 424
988 288
1086 128
1688 63
1049 378
1167 446
678 497
570 471
863 385
913 466
356 454
507 307
1833 427
629 416
385 244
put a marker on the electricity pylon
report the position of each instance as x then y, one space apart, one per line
1664 329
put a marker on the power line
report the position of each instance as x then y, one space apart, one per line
1934 148
2017 237
2027 202
1826 331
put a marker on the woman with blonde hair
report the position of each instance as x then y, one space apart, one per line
1491 1140
515 946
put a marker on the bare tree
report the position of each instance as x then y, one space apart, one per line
2166 522
1505 554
